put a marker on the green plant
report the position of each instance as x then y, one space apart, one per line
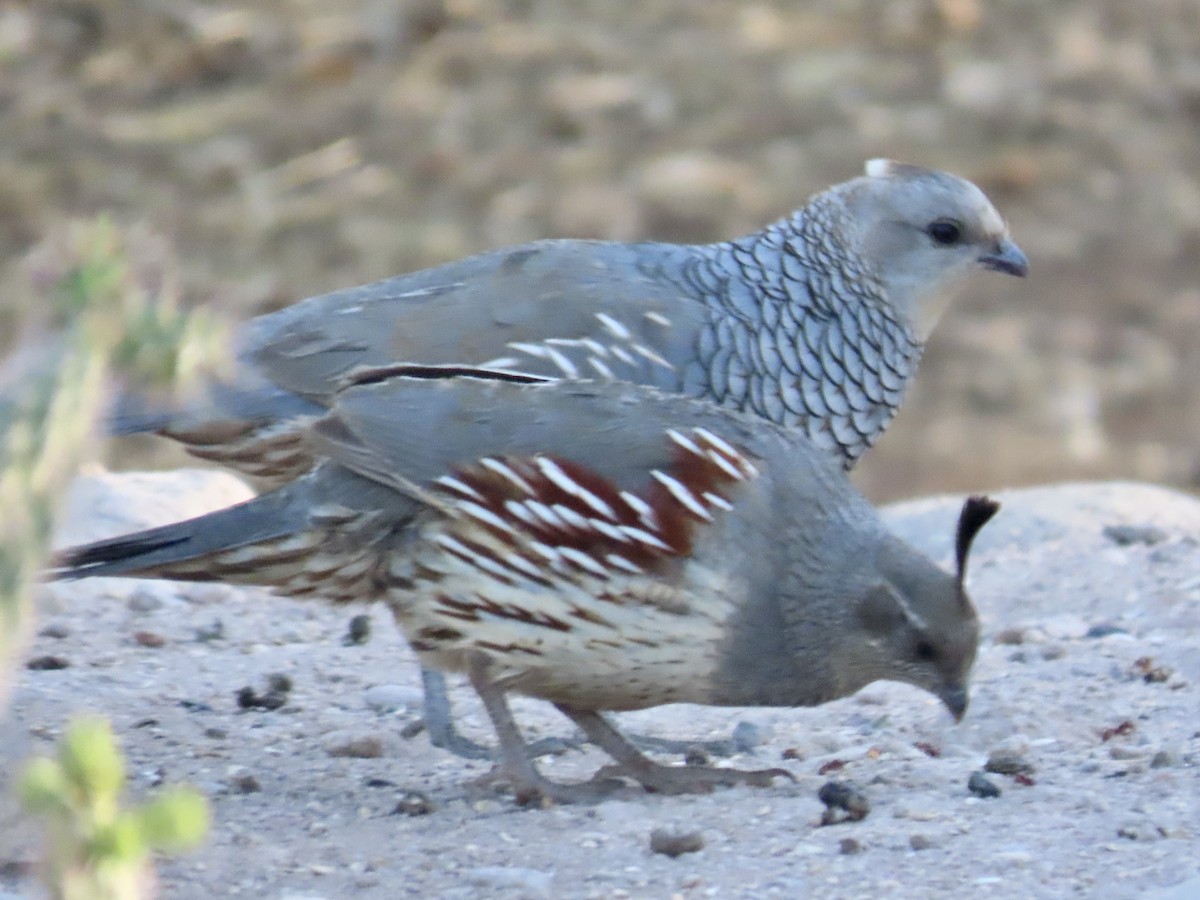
94 849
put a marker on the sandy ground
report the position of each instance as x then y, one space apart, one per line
1087 675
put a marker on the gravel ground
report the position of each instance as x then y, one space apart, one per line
1085 683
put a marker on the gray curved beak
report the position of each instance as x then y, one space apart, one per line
1007 258
956 699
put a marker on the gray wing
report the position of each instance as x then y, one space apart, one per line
572 309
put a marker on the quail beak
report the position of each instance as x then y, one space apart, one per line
956 699
1007 258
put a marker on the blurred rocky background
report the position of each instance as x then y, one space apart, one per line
283 148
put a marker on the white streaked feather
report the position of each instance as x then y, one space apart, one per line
680 492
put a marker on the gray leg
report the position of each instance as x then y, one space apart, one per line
655 777
439 721
528 783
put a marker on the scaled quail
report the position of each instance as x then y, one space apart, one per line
603 547
816 322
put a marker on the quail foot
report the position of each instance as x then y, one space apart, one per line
599 546
816 322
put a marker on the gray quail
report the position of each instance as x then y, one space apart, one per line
816 322
600 546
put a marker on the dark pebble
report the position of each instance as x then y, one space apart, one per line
696 756
217 734
843 797
212 632
675 843
359 630
746 737
245 783
55 630
412 729
248 698
149 639
47 663
195 706
849 846
413 803
919 842
1103 630
1003 762
279 683
981 786
1125 535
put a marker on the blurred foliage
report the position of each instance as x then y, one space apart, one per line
94 849
98 317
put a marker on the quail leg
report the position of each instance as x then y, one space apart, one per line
439 722
529 785
656 777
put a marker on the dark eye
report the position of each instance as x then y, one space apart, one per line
945 231
925 651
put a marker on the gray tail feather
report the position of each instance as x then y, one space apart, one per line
160 552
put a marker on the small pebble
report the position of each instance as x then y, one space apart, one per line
55 630
844 797
528 882
279 683
244 783
47 663
919 842
1126 535
216 734
1053 651
149 639
412 729
388 698
356 747
747 736
982 786
1163 759
214 631
696 756
1006 762
358 631
248 698
849 846
675 843
413 803
1104 630
1010 636
143 600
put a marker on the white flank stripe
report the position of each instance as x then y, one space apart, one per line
685 442
602 368
657 359
645 537
718 501
572 518
619 562
485 515
623 355
459 487
720 443
532 349
725 465
615 328
478 560
609 530
520 511
545 513
554 472
594 346
521 564
507 472
569 369
583 561
644 511
550 554
679 491
658 319
500 362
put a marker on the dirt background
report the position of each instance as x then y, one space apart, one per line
288 148
1074 619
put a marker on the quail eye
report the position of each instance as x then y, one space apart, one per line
945 231
925 651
